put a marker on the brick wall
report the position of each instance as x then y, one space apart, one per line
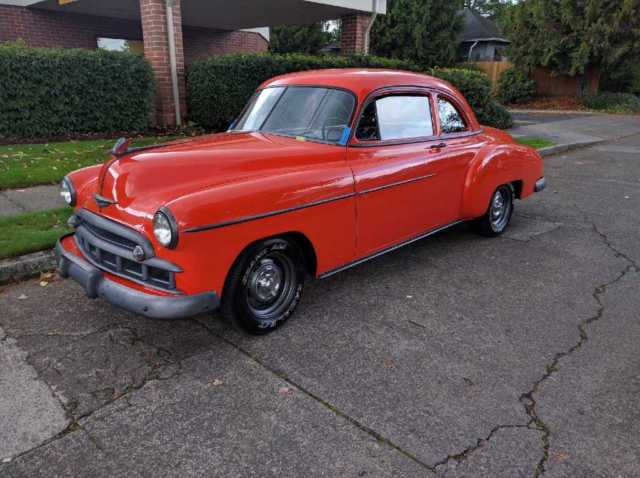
39 28
204 42
353 30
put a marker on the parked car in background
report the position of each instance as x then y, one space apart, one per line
322 171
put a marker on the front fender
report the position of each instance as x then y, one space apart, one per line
494 165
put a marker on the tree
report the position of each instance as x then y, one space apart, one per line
497 10
423 31
569 36
299 38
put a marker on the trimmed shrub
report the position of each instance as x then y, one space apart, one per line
515 86
48 92
476 88
219 87
613 102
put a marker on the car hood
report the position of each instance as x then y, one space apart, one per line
141 182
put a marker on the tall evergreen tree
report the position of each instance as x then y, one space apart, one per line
424 31
299 38
569 36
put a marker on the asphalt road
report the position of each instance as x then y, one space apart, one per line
455 356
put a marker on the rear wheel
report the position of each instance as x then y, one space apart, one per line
499 212
264 286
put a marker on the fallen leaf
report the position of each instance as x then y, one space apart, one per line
559 455
285 391
216 382
44 283
46 275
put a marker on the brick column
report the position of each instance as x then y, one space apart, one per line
156 49
353 31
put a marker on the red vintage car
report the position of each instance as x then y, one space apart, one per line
322 171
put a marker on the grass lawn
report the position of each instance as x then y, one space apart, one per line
535 142
23 165
33 231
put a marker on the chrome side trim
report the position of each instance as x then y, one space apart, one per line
240 220
397 183
349 265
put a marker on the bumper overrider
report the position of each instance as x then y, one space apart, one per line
154 306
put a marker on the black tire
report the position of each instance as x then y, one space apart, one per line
264 286
499 212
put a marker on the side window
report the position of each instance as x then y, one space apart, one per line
396 117
451 121
368 125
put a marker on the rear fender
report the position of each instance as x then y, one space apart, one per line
493 166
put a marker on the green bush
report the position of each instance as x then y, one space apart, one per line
218 87
476 88
51 92
613 102
515 86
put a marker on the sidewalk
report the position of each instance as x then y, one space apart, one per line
574 130
17 201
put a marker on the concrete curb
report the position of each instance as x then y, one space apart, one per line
558 112
27 266
562 148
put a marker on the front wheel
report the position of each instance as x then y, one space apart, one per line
499 212
264 286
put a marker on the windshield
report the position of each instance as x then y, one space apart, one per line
302 111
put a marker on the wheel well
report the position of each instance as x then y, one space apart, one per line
517 188
308 251
302 241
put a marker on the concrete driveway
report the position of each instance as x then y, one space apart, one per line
456 356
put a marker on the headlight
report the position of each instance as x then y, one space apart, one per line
165 228
68 192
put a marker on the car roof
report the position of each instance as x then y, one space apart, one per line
361 81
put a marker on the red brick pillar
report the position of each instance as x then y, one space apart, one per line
156 49
354 27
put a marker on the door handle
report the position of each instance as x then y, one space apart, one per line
438 146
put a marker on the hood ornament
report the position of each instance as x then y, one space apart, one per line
103 201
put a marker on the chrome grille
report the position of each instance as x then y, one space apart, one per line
109 246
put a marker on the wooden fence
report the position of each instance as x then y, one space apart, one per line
547 84
493 69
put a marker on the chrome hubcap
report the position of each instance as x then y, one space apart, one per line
500 209
265 281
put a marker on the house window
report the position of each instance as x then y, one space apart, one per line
120 44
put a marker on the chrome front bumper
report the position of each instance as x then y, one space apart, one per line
153 306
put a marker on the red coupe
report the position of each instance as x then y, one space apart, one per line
322 171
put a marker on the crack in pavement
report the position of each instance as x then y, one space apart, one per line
527 399
155 374
338 412
480 443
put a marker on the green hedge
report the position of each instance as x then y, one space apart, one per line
613 102
218 87
476 88
515 86
50 92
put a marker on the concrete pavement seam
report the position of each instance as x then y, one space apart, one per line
361 426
